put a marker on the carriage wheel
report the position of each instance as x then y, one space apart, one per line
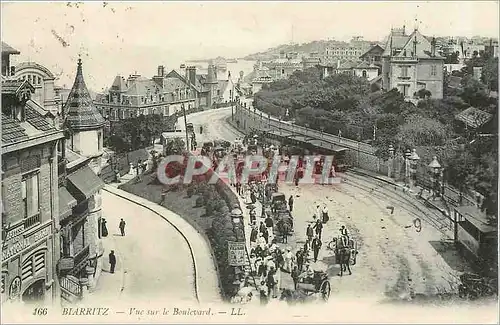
331 245
325 290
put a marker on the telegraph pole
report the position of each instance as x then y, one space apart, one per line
185 126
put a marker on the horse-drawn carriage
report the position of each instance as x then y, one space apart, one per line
317 284
344 244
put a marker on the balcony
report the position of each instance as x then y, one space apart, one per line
66 264
403 59
71 285
32 221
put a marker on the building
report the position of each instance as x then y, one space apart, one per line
165 94
283 67
30 200
356 68
345 51
80 222
7 51
43 81
373 55
410 63
311 61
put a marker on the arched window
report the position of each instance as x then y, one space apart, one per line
364 73
33 264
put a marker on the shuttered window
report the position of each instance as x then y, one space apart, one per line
33 265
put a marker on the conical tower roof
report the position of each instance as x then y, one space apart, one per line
80 112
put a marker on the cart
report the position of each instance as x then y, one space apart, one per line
353 245
317 284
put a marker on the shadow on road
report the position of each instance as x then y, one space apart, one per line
450 254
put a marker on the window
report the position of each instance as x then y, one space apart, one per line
38 80
404 71
364 74
403 89
33 265
30 194
282 71
433 70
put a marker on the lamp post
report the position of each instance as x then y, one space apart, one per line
231 96
390 161
436 169
414 158
407 155
236 216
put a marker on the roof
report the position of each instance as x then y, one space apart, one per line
423 46
32 65
474 117
396 40
34 124
143 87
79 110
376 50
119 84
170 84
476 217
7 49
365 65
346 65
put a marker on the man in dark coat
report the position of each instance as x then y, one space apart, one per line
290 203
112 261
318 227
316 245
309 232
122 227
300 259
295 276
269 224
254 234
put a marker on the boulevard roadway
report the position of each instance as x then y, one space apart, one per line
394 259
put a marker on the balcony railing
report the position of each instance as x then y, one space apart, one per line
71 285
31 221
404 58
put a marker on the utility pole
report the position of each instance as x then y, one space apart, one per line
185 126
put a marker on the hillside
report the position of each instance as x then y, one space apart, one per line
314 46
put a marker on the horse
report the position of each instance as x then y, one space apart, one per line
344 256
284 229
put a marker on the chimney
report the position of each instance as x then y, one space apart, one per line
161 71
433 46
192 74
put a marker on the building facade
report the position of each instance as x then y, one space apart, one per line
43 80
80 193
410 63
164 94
345 51
356 68
373 55
30 201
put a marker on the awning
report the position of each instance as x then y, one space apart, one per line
66 202
478 218
327 145
84 183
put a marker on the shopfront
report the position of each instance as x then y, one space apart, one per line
26 260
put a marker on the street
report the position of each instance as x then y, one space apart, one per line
394 259
152 257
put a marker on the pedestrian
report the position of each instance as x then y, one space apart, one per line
318 227
253 198
238 187
271 283
290 203
117 175
201 129
112 261
309 232
295 276
163 194
104 229
316 245
300 259
265 234
318 212
263 293
122 227
344 232
269 225
288 260
325 214
262 227
254 235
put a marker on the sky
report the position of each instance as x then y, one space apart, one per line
127 37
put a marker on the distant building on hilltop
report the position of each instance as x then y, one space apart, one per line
345 51
410 63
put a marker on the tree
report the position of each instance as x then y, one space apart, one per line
474 92
175 146
490 74
451 58
422 131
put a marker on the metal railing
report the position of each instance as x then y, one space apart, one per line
32 221
81 258
71 285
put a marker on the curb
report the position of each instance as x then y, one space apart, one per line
137 200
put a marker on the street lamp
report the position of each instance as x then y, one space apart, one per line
407 155
436 168
390 162
414 158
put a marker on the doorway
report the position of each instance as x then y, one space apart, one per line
35 292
